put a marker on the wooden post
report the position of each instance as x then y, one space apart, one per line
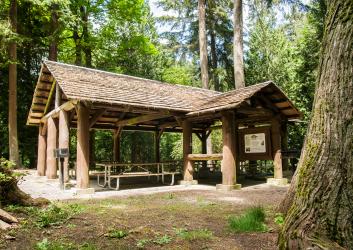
229 153
237 149
204 142
157 146
82 174
187 149
276 148
42 151
51 146
284 143
116 144
204 147
64 139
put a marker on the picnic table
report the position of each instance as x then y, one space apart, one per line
127 170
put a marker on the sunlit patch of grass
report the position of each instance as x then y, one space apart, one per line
117 233
190 235
45 244
163 240
253 220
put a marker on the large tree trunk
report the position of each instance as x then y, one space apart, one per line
239 77
203 43
320 215
53 46
13 138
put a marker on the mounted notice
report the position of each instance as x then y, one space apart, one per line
255 143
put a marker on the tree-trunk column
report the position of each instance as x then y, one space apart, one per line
187 149
284 143
228 162
116 145
42 151
82 146
157 137
51 146
64 139
276 148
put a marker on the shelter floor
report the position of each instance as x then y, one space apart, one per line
40 186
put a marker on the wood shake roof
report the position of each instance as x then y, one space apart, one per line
95 86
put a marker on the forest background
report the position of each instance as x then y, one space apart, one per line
281 43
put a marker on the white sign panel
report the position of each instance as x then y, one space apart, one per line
255 143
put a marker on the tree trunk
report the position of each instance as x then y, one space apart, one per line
214 58
321 212
53 47
203 43
13 138
239 77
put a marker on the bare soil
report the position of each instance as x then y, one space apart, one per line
147 218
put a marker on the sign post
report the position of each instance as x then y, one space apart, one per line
61 154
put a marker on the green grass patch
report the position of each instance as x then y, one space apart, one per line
118 234
45 244
199 234
165 239
52 215
253 220
56 215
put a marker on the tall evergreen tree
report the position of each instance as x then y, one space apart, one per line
239 77
12 121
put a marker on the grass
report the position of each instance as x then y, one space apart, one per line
165 239
52 215
199 234
118 234
253 220
45 244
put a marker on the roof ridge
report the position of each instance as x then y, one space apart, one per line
133 77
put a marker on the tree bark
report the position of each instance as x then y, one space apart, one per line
13 138
320 215
203 43
239 77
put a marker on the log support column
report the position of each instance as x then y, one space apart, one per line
116 144
228 166
64 139
188 169
42 151
276 154
52 132
157 145
82 164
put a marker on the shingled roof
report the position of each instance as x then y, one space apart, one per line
79 83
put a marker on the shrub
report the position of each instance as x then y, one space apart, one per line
251 221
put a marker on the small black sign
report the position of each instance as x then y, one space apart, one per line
61 153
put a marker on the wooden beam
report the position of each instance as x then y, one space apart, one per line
204 157
96 116
51 94
55 113
140 119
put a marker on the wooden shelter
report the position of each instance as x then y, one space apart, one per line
70 96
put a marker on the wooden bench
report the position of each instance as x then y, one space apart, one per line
138 174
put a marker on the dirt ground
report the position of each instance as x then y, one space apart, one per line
153 222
